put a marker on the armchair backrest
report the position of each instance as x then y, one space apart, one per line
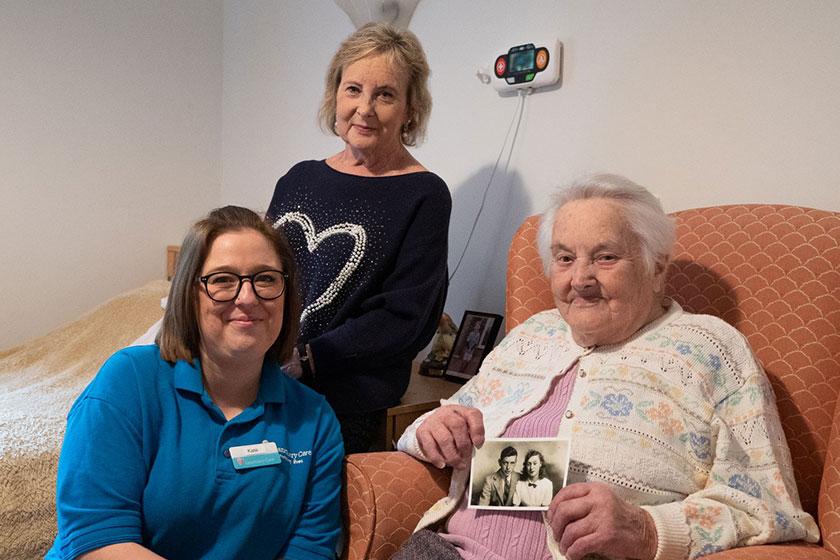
773 272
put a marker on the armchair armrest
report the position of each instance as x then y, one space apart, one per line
797 550
384 496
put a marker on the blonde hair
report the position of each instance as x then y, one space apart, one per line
404 51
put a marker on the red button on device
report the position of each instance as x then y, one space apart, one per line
501 66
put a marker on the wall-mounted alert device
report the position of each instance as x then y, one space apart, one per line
530 65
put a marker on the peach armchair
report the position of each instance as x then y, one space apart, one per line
771 271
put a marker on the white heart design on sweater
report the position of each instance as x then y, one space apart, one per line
314 239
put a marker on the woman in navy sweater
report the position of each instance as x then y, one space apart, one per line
369 229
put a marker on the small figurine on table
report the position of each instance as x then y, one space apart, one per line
435 362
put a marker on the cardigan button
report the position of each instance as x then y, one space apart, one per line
582 373
569 414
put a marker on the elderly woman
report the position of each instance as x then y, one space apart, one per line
369 229
200 446
677 450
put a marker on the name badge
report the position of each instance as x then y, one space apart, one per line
256 455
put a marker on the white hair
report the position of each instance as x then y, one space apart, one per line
654 229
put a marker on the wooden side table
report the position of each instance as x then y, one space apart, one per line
423 394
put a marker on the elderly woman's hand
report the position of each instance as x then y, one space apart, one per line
589 518
448 435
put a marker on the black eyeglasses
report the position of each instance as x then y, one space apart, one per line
225 286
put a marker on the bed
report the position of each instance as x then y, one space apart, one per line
39 380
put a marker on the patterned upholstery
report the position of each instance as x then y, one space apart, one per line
771 271
829 499
386 493
527 289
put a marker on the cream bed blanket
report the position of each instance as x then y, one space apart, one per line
39 380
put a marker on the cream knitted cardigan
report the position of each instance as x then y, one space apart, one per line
679 419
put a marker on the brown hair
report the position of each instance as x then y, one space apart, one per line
179 337
405 52
534 453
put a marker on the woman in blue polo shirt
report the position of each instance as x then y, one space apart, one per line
200 446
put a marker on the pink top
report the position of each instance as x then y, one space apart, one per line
481 534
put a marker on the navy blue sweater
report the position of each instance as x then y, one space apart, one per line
372 258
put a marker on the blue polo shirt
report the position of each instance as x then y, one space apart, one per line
145 459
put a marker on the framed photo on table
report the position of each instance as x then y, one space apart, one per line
474 340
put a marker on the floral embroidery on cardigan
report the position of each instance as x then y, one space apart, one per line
680 420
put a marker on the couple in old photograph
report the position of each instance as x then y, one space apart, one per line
508 488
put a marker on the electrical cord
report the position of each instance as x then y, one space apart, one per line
517 118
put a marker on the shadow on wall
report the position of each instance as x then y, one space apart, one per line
479 282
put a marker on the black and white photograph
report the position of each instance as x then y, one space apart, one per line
518 473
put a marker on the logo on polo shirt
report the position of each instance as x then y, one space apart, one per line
294 457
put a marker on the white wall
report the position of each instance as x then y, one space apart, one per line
703 102
110 122
275 58
121 122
